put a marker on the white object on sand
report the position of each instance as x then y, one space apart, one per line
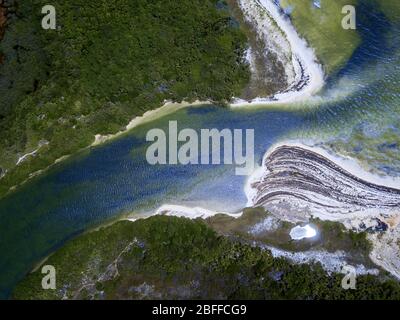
298 232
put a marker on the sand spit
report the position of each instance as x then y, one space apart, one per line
304 74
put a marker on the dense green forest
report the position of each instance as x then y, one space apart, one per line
175 258
106 62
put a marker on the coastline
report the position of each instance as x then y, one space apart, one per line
303 60
385 251
383 223
304 73
331 261
308 77
297 44
167 108
292 95
346 162
346 166
191 213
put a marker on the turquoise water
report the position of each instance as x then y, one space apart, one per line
361 105
365 123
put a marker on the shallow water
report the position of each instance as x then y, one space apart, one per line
115 178
361 113
360 105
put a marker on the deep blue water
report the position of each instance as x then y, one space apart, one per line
108 181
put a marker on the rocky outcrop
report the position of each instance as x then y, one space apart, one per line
307 179
297 182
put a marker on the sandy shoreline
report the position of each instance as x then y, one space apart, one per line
385 243
307 77
307 72
304 74
347 163
301 54
367 186
167 108
385 246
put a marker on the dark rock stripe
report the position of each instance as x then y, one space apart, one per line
298 174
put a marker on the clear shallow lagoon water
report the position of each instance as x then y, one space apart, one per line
114 179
